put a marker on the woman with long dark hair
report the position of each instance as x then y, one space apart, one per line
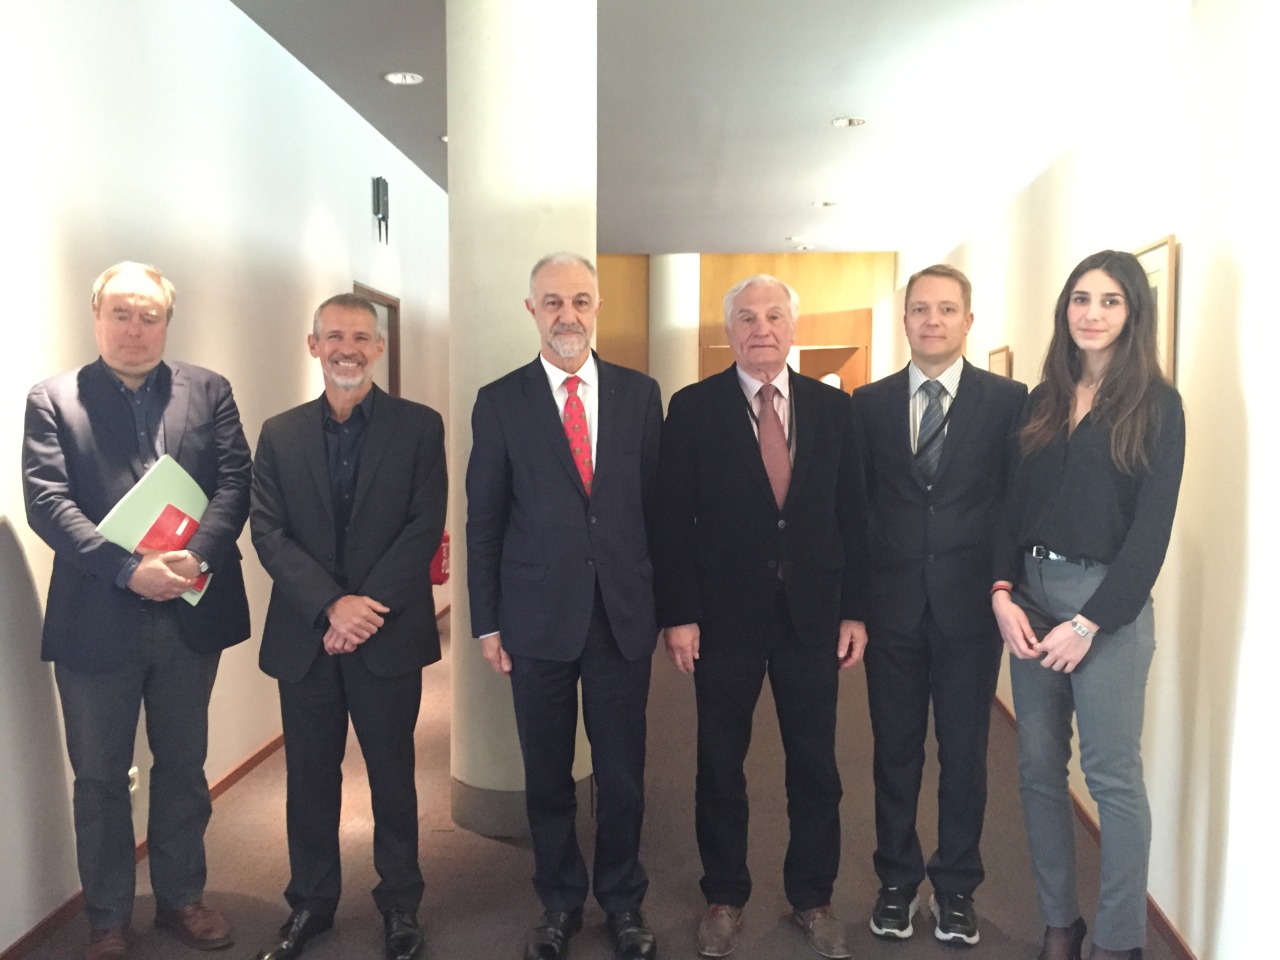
1090 508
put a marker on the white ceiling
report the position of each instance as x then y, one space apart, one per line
715 127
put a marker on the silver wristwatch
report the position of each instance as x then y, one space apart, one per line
1082 630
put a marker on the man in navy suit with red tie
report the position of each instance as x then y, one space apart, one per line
937 435
560 490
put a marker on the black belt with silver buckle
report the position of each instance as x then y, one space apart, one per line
1041 552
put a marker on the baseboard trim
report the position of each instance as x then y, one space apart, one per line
1181 949
63 915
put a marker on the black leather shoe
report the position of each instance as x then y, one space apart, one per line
404 936
297 931
631 937
550 938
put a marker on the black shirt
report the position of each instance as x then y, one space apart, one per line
343 446
1072 498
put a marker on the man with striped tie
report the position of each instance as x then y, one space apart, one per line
560 490
937 435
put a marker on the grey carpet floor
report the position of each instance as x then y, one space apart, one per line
479 900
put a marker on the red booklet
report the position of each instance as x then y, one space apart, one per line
172 530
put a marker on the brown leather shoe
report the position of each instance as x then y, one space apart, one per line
197 925
106 944
719 929
822 931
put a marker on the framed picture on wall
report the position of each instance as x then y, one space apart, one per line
1000 361
1160 261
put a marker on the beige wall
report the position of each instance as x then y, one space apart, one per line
210 151
1178 154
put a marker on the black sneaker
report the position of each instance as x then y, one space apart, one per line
957 924
895 906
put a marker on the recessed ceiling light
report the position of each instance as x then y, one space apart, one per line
824 203
795 239
847 122
402 79
804 246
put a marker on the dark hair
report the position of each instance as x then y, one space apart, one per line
1125 399
950 273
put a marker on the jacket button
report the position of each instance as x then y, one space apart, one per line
772 564
930 558
590 562
782 524
932 508
593 519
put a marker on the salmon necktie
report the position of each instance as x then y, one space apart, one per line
575 428
773 445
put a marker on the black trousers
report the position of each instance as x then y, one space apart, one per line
615 692
384 711
905 672
805 681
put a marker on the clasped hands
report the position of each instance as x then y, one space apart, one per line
1061 650
164 575
353 619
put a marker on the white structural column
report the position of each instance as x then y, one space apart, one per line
674 288
522 183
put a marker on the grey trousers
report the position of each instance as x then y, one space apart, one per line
1106 692
100 711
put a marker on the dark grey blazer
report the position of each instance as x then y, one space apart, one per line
79 457
937 545
397 519
721 536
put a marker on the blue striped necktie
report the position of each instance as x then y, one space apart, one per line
929 443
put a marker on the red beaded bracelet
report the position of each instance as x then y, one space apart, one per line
1001 585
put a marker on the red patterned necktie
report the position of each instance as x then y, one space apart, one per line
773 445
575 428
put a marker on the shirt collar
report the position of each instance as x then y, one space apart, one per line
149 385
588 373
364 408
751 386
949 378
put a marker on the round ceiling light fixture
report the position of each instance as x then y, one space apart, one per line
847 122
824 203
402 78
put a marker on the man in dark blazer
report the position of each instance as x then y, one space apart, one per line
115 627
560 492
761 566
936 469
348 509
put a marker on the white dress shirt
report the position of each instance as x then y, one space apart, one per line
781 401
950 380
588 393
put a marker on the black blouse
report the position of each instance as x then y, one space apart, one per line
1071 498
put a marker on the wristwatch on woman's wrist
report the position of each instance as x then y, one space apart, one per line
1081 629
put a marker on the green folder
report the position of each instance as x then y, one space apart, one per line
162 512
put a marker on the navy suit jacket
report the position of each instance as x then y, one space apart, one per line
936 545
397 519
721 536
79 457
536 543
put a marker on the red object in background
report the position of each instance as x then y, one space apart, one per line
440 562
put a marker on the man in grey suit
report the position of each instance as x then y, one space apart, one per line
560 490
115 627
348 508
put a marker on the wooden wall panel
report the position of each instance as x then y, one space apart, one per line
826 282
622 333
